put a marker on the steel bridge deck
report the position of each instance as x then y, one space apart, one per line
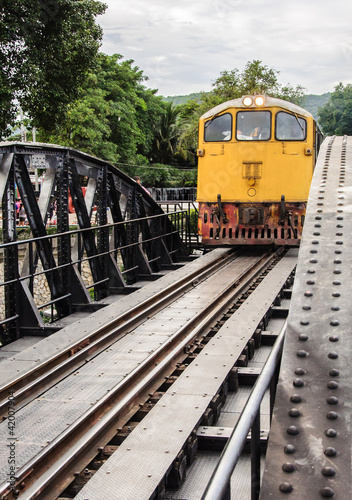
139 465
43 419
66 338
309 453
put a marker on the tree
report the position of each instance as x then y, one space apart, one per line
114 116
46 48
255 78
166 134
335 117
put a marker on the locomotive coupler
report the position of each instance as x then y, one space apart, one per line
282 210
221 212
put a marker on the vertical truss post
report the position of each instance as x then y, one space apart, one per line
37 226
129 255
10 260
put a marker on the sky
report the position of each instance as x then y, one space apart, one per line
182 46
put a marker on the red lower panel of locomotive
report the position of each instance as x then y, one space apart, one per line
250 223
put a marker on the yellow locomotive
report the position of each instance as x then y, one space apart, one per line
256 157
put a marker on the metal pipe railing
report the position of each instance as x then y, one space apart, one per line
218 487
32 271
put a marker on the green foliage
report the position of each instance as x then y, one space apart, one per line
46 49
312 103
255 77
161 175
114 117
336 115
166 132
183 99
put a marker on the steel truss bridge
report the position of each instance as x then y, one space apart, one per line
138 235
176 390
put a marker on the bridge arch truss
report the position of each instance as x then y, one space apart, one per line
130 237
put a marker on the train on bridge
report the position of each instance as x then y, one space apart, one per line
256 157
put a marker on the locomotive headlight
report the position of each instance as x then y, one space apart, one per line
259 100
247 101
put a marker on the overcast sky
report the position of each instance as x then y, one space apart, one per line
182 46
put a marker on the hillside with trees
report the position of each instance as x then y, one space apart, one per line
335 116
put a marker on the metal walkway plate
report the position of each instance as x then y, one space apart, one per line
139 465
69 336
309 453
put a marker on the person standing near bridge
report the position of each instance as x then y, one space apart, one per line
138 180
21 215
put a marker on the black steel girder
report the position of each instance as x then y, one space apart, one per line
103 200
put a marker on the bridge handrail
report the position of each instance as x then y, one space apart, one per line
219 483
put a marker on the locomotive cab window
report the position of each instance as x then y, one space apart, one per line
253 126
218 129
290 127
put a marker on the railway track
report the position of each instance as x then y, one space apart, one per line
76 407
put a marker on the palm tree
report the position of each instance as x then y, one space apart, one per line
166 134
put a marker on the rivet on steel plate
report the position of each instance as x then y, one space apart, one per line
327 492
332 385
295 398
303 337
333 338
298 382
332 415
332 400
294 413
334 372
302 354
293 430
330 451
300 371
328 471
334 322
289 449
333 355
288 467
285 488
331 433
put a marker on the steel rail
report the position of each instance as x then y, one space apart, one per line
219 482
81 436
61 363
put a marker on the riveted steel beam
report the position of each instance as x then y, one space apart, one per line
309 452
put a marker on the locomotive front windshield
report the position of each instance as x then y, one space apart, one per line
290 127
253 126
218 129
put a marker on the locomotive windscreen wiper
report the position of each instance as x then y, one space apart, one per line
206 124
299 123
